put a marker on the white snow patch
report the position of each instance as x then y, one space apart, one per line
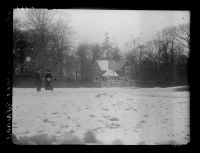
132 115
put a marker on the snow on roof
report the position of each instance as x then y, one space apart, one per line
110 65
103 64
110 73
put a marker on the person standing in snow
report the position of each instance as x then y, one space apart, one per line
48 78
38 82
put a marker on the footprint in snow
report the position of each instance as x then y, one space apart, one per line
106 116
113 126
143 121
64 126
40 131
138 126
127 109
114 119
45 120
27 132
130 99
104 94
99 95
135 110
186 138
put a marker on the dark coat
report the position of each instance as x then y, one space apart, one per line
48 75
37 78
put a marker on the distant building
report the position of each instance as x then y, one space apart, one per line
105 70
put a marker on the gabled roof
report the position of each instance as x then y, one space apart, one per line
111 65
103 64
110 73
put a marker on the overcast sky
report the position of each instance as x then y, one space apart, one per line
90 25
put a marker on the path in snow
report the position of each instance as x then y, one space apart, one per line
131 115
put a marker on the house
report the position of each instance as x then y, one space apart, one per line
105 70
110 75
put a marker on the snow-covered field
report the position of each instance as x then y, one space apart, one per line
131 115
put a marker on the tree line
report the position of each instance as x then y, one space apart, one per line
164 58
49 43
43 38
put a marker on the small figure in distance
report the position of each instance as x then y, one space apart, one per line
48 79
38 81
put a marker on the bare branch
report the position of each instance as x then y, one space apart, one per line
183 44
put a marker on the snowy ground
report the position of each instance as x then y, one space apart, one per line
131 115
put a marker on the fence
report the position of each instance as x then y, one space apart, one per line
119 83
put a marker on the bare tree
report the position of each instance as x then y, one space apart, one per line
39 19
60 44
50 39
135 54
167 44
19 45
132 46
107 47
84 61
151 51
183 35
17 33
38 25
116 54
164 57
96 52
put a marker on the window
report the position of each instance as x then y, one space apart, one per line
96 78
